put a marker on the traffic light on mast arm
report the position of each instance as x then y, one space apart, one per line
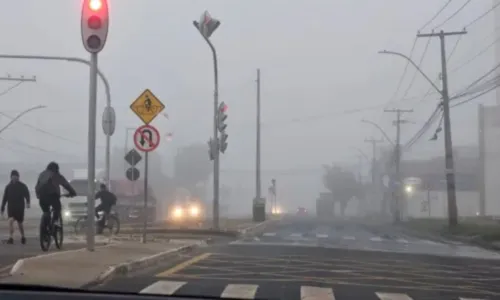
221 119
95 24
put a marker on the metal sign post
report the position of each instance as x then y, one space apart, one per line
146 138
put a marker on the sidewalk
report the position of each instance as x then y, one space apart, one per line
77 268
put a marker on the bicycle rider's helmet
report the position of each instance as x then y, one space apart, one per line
53 166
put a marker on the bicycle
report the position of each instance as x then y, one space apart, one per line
112 222
49 230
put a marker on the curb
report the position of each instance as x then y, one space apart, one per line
254 229
15 270
124 269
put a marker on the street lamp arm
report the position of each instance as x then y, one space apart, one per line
214 54
20 115
415 65
381 130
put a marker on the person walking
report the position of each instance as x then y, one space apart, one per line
14 195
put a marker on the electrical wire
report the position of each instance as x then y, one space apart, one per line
416 71
436 15
433 117
476 96
474 57
404 74
482 15
454 14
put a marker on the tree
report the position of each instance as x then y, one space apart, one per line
192 166
342 184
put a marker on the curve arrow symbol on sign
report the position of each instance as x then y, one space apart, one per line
150 137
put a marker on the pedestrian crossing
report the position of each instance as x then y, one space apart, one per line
376 239
254 291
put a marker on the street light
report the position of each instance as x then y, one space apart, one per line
409 189
381 130
20 115
206 27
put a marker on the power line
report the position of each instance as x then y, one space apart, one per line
416 71
454 14
482 15
475 97
436 15
404 73
474 57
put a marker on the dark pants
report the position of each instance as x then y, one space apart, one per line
104 208
51 201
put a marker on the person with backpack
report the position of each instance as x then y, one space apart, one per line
48 190
108 200
14 196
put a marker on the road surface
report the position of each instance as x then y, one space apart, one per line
307 259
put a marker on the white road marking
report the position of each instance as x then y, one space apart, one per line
269 234
296 234
316 293
402 241
163 287
322 235
240 291
392 296
349 238
376 239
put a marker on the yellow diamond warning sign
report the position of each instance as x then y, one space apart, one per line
147 106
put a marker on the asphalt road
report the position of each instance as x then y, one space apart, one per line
307 259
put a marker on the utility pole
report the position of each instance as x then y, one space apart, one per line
449 165
396 192
258 215
374 143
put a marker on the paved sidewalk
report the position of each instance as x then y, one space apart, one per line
78 268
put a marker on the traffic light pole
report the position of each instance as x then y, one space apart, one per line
216 153
91 152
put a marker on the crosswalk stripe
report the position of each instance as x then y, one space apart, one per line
295 234
316 293
163 287
321 235
393 296
269 234
348 238
461 298
376 239
240 291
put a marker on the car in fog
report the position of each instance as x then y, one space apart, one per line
301 211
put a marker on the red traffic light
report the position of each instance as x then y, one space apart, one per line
94 22
95 5
224 108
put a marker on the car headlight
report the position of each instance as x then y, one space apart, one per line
178 212
67 214
194 211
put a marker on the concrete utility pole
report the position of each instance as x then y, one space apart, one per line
396 192
257 143
374 143
450 169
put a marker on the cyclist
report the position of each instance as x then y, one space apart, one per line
108 200
48 190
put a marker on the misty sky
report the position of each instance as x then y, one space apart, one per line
318 59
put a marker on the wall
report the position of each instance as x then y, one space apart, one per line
467 202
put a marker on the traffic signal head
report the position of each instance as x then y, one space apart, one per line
211 149
94 24
222 116
223 142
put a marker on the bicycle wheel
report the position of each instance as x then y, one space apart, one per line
114 224
44 236
80 225
58 233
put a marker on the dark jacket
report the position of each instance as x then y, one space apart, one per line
14 195
107 198
54 180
